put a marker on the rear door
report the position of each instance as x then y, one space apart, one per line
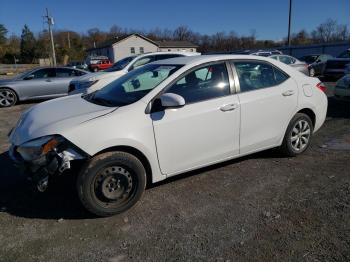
268 100
61 82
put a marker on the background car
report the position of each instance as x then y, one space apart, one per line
100 65
78 64
95 81
342 88
39 83
293 62
337 67
316 63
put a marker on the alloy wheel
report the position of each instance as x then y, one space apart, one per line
7 98
300 135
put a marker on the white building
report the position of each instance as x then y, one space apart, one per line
120 47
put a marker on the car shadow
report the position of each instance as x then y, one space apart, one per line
19 198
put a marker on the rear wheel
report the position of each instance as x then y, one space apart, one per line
111 183
8 97
298 136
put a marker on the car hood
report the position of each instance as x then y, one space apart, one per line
55 117
97 76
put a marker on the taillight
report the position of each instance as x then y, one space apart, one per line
321 86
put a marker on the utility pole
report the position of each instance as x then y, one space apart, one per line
289 20
50 24
68 40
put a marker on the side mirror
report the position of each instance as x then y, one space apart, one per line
171 100
28 77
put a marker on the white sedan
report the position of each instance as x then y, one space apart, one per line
95 81
166 118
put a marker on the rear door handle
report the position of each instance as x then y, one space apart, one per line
288 93
48 80
228 107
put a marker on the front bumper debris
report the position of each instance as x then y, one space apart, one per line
39 171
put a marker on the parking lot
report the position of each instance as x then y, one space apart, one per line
260 207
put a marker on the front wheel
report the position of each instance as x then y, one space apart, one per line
8 97
111 183
298 135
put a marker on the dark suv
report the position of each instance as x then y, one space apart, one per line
316 63
337 68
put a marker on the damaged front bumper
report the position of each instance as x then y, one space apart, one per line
39 171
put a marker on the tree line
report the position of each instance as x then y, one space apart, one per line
70 45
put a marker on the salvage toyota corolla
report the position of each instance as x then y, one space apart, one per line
166 118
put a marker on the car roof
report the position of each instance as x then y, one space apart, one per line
170 53
187 60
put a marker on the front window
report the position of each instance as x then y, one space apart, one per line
44 73
121 64
132 86
142 61
204 83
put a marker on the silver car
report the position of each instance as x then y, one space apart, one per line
39 83
293 62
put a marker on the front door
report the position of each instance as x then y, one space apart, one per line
206 129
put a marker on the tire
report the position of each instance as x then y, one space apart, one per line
304 127
8 97
312 72
111 183
95 69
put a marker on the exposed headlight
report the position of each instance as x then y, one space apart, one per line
36 148
87 84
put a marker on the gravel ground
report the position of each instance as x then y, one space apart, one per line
261 207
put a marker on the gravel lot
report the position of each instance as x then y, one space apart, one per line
260 207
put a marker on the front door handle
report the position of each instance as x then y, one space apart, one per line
288 93
228 107
48 80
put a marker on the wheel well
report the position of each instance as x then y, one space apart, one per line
5 87
309 113
135 152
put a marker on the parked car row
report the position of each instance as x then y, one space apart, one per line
165 118
48 82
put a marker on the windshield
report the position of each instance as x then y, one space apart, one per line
132 86
121 64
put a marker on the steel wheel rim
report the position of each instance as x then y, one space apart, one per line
300 135
7 98
114 186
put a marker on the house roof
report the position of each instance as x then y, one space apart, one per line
161 44
177 44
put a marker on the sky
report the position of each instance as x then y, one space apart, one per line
269 18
